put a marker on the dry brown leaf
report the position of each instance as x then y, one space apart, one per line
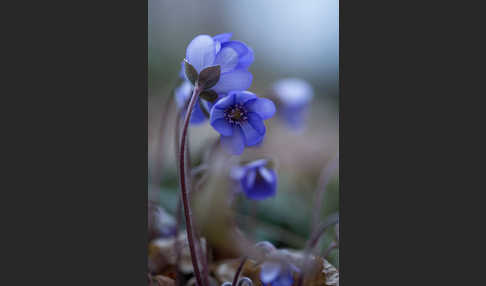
160 280
162 253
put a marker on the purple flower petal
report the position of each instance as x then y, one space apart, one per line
257 181
224 102
258 143
270 271
237 173
197 115
252 136
257 163
223 127
263 106
284 279
234 144
182 94
261 189
245 53
242 97
235 80
250 179
257 122
182 73
227 58
216 114
201 52
265 173
220 39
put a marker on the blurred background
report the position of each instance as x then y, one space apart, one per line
290 39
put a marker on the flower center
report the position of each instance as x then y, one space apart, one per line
235 114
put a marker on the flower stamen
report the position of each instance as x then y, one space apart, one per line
236 114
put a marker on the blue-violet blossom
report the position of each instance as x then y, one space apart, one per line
238 117
233 57
276 273
256 180
294 96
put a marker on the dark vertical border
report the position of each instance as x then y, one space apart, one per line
387 70
79 76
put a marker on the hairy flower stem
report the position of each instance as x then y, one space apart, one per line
184 189
179 206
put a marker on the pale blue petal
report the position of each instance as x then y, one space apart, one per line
246 60
245 53
234 144
201 52
263 106
293 92
266 175
227 58
197 115
270 271
256 163
222 126
237 173
235 80
250 178
183 93
182 73
220 39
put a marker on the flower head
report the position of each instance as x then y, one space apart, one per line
277 273
294 96
257 180
233 57
238 117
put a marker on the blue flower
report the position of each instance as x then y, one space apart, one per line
277 273
233 57
182 95
257 181
238 117
294 96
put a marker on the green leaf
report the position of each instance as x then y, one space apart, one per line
190 71
209 77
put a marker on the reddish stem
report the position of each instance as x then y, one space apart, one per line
184 189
